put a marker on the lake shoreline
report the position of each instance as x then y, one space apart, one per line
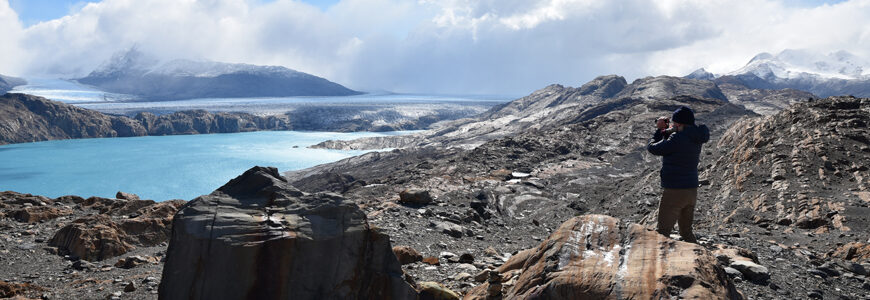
160 167
27 118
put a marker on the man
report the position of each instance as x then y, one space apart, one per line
680 149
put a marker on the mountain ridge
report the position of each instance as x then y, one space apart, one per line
134 72
552 106
838 73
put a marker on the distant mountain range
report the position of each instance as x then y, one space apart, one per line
134 72
833 74
9 82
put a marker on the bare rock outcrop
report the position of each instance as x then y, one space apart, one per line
271 241
854 251
91 238
661 87
804 168
36 214
126 196
17 290
98 237
588 258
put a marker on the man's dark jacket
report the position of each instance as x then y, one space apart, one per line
680 153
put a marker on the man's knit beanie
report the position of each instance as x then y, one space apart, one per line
684 115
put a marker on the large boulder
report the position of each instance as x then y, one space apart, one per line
258 237
415 196
587 258
407 255
744 261
435 291
91 238
126 196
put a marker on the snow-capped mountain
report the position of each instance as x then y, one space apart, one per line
135 73
701 74
833 74
800 64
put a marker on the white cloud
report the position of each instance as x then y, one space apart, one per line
746 30
446 46
11 31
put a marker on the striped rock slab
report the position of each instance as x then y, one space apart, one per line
588 258
257 237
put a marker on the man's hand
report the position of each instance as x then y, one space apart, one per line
662 123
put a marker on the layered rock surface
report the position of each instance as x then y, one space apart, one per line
258 237
588 258
783 170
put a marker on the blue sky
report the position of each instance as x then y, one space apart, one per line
34 11
443 46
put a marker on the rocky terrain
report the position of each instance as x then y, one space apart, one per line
791 224
761 101
75 248
519 202
135 73
9 82
26 118
551 107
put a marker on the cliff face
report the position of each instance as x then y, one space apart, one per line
26 118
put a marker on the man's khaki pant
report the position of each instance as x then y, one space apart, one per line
678 206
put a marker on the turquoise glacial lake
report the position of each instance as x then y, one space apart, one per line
159 167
